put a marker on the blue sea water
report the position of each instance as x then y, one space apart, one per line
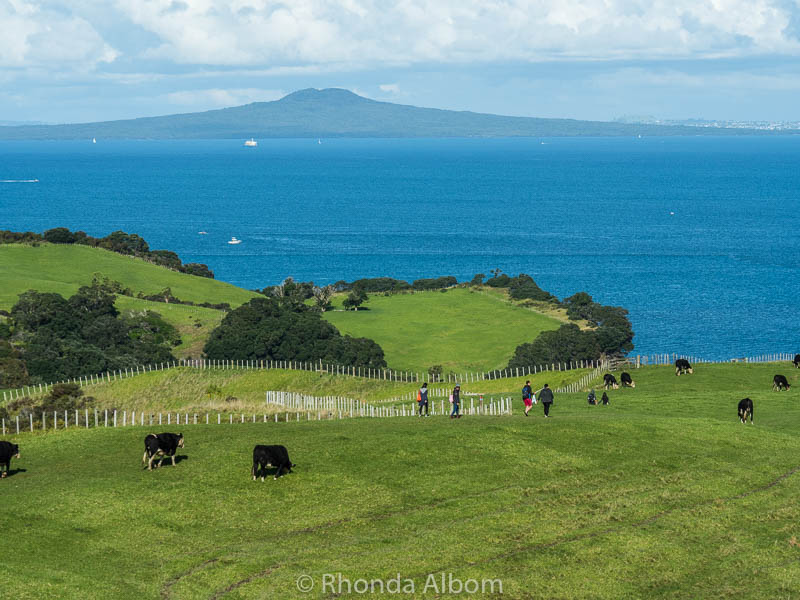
697 237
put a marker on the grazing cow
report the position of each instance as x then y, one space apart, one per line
270 456
626 380
7 452
779 383
796 361
161 444
745 409
609 381
683 367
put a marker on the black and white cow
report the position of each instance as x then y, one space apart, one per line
161 444
7 452
270 456
609 381
745 410
682 367
626 380
796 361
779 383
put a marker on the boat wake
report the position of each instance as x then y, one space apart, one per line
19 181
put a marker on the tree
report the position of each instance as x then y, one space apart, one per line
266 329
322 297
477 280
355 299
565 344
523 287
435 372
59 235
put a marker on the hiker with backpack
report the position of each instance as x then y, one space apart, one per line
527 397
592 398
546 398
455 398
422 399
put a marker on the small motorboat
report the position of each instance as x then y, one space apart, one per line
234 240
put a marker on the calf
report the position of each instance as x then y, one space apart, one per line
270 456
626 380
683 367
745 409
796 361
7 452
779 383
609 381
161 444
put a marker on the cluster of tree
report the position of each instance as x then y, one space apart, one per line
611 334
521 287
51 338
387 284
120 242
61 397
274 328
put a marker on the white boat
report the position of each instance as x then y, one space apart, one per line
94 140
319 141
203 232
233 240
251 143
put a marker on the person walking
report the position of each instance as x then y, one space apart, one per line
527 397
546 397
422 399
456 413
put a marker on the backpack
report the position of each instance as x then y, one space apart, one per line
419 396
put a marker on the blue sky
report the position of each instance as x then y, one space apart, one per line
88 60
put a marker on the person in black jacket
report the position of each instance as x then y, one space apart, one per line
456 414
546 398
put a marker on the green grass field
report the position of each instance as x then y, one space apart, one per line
64 268
662 494
459 329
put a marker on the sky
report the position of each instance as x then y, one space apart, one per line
91 60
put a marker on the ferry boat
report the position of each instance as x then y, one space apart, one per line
251 143
233 240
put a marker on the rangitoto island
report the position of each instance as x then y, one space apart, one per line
332 113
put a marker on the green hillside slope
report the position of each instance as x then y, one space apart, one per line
64 268
661 495
460 329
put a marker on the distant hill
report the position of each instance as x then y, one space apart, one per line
340 113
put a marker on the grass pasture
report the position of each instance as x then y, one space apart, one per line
459 329
64 268
662 494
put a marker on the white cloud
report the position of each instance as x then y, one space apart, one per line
390 88
216 98
35 36
370 32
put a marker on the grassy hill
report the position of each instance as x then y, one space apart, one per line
662 494
64 268
460 329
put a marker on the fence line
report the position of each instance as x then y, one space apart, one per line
299 407
379 374
317 367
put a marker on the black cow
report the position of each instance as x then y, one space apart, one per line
7 452
161 444
270 456
745 409
609 381
796 361
779 383
682 367
626 380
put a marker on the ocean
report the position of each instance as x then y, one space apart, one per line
696 237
